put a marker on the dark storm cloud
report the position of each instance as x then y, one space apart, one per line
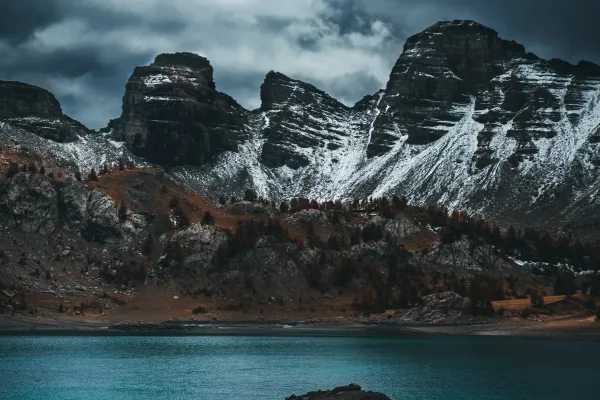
85 50
69 63
552 28
244 85
350 87
350 16
19 19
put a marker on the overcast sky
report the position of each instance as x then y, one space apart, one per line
85 50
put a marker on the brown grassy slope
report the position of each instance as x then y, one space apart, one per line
148 190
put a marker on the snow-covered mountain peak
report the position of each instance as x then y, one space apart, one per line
467 119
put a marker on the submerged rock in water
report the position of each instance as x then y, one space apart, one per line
349 392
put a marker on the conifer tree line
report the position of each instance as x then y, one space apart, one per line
527 244
33 168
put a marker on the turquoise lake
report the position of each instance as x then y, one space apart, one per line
219 368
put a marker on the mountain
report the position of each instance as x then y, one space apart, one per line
172 113
467 119
37 110
116 224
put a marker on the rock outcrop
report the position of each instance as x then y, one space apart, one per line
73 202
349 392
298 118
439 308
310 216
101 221
271 269
373 251
31 202
256 208
35 203
467 260
398 228
194 248
172 113
36 110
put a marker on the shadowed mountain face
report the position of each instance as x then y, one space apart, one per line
433 80
467 119
172 113
36 110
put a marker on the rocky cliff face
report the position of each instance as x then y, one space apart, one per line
299 120
36 110
37 204
467 119
440 308
172 113
433 79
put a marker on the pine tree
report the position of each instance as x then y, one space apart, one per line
148 245
32 168
294 207
250 195
208 219
143 268
368 297
123 212
178 252
284 207
510 238
565 284
173 201
392 263
334 243
182 219
13 169
92 176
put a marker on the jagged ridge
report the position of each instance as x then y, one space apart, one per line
467 119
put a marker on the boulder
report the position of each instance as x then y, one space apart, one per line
102 222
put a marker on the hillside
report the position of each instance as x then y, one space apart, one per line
132 245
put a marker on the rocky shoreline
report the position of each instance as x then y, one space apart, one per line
580 329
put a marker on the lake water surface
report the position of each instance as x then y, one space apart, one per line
207 368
